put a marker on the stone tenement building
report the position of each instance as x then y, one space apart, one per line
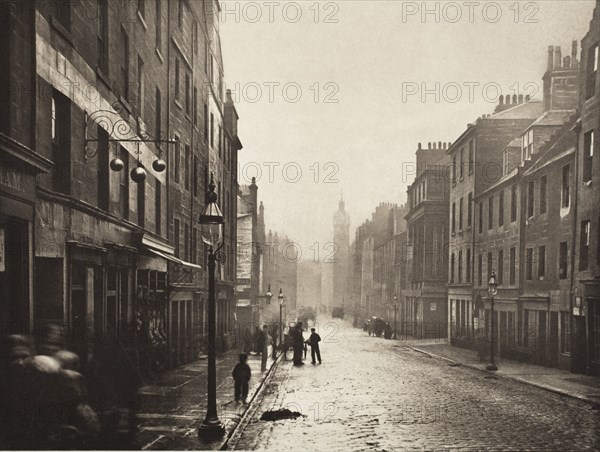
101 94
585 301
423 310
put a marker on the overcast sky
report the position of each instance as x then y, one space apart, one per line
338 86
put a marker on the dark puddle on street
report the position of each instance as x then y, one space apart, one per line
278 415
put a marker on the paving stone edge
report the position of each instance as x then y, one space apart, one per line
510 377
234 434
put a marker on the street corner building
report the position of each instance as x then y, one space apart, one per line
114 121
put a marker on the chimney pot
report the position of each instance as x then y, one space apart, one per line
419 148
527 98
501 100
567 62
429 145
574 54
439 145
550 58
557 57
520 98
434 145
514 100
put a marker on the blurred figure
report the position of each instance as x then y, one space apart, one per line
265 342
241 377
114 384
298 343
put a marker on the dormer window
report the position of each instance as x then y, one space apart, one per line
527 145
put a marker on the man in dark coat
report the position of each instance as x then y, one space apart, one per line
298 344
313 341
241 376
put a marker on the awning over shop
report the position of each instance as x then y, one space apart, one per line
172 258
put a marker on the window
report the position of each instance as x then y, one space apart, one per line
501 208
194 245
195 37
471 157
468 264
591 71
480 217
527 145
124 184
158 207
187 169
453 217
566 189
563 256
103 179
61 141
180 14
186 241
125 65
480 269
530 199
500 273
512 270
195 178
584 245
513 203
452 262
490 265
541 262
195 100
141 87
158 24
176 236
470 210
206 56
461 163
588 155
543 194
212 129
176 162
565 332
103 36
141 204
460 214
529 264
177 80
158 119
205 122
490 212
460 260
188 93
453 169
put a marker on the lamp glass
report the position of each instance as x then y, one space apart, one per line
492 285
211 225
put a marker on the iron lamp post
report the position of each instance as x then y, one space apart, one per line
395 336
493 291
281 299
212 222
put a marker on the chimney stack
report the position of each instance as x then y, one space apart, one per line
419 148
520 98
574 54
550 58
567 62
514 101
557 57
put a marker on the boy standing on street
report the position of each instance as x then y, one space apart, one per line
313 341
241 376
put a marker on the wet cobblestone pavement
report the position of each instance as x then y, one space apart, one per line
376 394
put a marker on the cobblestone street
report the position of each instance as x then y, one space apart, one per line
376 394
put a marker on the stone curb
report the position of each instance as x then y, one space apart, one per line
510 377
234 434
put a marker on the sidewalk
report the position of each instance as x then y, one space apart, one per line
582 387
173 406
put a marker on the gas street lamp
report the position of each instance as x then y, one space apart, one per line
281 299
395 336
493 291
211 222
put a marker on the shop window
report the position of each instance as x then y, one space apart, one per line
565 332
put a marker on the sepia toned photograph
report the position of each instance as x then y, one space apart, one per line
311 225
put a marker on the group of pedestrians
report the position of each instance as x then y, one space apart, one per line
53 400
299 344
